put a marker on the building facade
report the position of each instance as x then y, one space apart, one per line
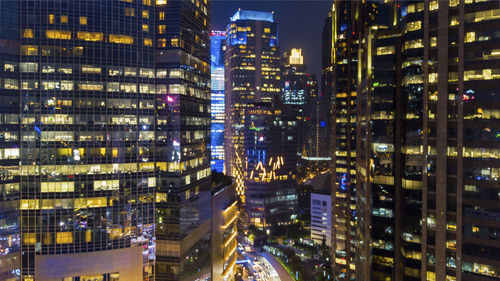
224 230
321 228
270 143
425 157
252 75
339 72
182 147
218 47
105 140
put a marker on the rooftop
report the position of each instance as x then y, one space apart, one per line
252 15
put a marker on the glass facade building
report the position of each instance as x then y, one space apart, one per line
104 140
260 133
252 75
218 46
182 144
270 143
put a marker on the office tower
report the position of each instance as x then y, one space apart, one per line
426 159
270 146
105 169
218 46
252 75
223 227
182 145
339 72
77 147
457 43
294 79
378 161
314 149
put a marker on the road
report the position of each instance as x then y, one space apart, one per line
283 274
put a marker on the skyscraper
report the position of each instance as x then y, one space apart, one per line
425 159
105 140
182 144
218 47
260 133
270 143
252 76
339 69
78 173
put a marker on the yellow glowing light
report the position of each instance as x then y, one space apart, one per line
230 207
230 239
296 57
230 221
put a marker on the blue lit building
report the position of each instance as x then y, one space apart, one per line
218 39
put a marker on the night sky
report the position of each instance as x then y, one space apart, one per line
300 23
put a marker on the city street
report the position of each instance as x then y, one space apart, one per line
264 267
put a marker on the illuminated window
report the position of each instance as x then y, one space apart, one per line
51 18
91 69
161 15
412 44
130 12
483 15
28 33
454 3
83 20
64 19
161 28
433 77
267 30
29 50
90 36
162 42
121 39
146 2
454 21
30 239
58 34
28 67
470 37
434 5
130 71
88 86
64 237
145 14
386 50
174 42
411 8
57 186
148 42
433 41
161 2
145 27
414 25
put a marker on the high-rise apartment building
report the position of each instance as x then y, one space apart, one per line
105 140
426 158
218 47
252 76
